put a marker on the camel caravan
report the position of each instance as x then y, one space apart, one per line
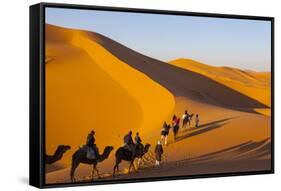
175 125
129 151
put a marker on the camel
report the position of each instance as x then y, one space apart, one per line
61 149
165 133
175 130
186 120
126 155
80 156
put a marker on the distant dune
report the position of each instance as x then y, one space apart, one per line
256 85
93 82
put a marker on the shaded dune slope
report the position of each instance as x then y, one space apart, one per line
225 72
253 84
177 80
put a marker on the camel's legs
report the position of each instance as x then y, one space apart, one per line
98 173
162 138
130 167
183 124
114 169
72 171
116 166
93 172
134 167
139 161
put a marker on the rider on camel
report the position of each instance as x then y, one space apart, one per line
129 143
92 148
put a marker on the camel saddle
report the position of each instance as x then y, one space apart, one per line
91 152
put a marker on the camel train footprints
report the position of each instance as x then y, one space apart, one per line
148 160
61 149
80 156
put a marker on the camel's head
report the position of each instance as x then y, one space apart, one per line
108 149
63 148
106 152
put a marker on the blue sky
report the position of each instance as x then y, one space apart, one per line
244 44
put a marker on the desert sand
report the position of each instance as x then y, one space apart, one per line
93 82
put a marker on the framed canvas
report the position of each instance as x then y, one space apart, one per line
128 95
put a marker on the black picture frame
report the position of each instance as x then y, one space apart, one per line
37 93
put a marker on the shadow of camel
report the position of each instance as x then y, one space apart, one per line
224 150
252 145
258 149
203 128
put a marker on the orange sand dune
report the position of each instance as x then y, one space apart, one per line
253 84
72 109
95 82
88 88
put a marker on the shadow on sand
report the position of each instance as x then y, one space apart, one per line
247 156
202 129
246 150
